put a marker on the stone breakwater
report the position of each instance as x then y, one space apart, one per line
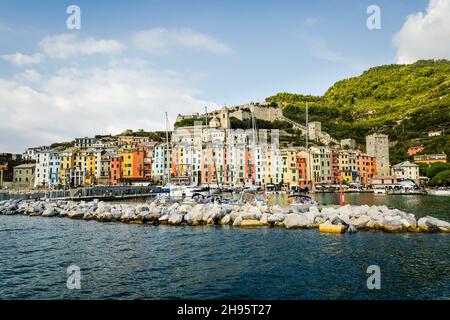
328 219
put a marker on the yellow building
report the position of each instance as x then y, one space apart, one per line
345 163
290 171
126 165
88 166
67 160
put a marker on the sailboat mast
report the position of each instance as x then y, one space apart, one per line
254 143
307 148
167 160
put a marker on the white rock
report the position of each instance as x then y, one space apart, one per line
296 221
360 222
175 218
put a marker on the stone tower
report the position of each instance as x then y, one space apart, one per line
314 130
377 145
224 117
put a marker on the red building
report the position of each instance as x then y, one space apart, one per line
115 172
413 150
302 171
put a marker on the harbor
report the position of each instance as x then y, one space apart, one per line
303 213
142 261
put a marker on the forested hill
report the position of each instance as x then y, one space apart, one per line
403 101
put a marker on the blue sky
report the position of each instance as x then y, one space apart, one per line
219 52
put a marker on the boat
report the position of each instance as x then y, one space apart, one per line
405 187
302 201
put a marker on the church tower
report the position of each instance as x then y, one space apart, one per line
224 116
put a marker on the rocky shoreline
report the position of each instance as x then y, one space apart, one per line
327 219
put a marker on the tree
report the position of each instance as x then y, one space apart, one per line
441 179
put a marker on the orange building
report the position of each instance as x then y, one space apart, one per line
366 167
132 164
115 172
302 171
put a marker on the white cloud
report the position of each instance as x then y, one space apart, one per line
425 35
21 59
74 102
162 41
65 46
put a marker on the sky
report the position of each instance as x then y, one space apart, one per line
133 60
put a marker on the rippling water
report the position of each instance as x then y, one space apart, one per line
120 261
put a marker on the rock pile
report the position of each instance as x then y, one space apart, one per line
328 219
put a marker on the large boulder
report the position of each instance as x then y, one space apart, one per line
337 220
129 214
411 219
393 225
328 212
212 215
276 209
225 220
375 224
264 218
153 217
237 222
164 219
360 222
296 221
276 217
50 212
195 215
184 208
431 224
76 214
319 220
175 218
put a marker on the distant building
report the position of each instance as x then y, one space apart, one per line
377 146
413 150
351 143
7 163
431 158
405 170
84 143
31 153
23 177
435 133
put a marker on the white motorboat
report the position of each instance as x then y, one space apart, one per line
302 201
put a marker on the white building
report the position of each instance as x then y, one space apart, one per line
405 170
31 153
159 161
47 168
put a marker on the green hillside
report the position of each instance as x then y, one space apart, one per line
403 101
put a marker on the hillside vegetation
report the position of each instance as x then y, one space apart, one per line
402 101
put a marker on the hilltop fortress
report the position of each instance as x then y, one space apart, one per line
261 110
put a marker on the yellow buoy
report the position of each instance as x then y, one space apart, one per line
329 228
